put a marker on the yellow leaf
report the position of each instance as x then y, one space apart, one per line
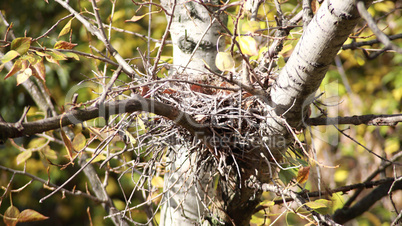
98 158
23 156
248 45
131 137
250 26
79 142
66 28
10 55
64 45
22 77
29 215
157 182
21 45
224 61
10 217
17 66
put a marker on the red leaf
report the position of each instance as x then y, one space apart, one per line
29 215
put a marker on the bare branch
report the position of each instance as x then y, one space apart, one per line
371 23
343 215
354 45
322 219
137 103
370 120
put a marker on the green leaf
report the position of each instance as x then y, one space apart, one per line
21 45
287 175
29 215
72 55
10 217
10 55
250 26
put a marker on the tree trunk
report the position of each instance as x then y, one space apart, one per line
194 33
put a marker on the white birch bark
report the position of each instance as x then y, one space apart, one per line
194 33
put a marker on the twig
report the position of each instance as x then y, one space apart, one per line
126 67
51 28
355 45
371 23
33 177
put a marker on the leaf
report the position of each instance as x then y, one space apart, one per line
224 61
130 137
22 77
29 215
287 175
17 66
23 156
98 158
302 175
72 55
66 28
21 45
39 70
315 205
157 182
196 88
250 26
11 216
49 153
57 55
69 146
64 45
248 45
137 18
10 55
79 142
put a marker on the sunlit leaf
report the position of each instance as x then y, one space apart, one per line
49 153
23 156
66 28
315 205
29 215
250 26
22 77
10 217
17 66
136 18
157 182
302 174
10 55
21 45
64 45
98 158
224 61
79 142
248 45
57 55
130 137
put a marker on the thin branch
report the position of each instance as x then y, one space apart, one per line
91 28
370 120
355 45
343 215
371 23
35 178
322 219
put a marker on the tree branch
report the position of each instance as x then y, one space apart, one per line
343 215
137 103
354 45
374 28
370 120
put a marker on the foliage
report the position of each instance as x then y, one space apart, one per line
55 62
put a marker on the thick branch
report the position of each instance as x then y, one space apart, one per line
370 120
137 103
343 215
